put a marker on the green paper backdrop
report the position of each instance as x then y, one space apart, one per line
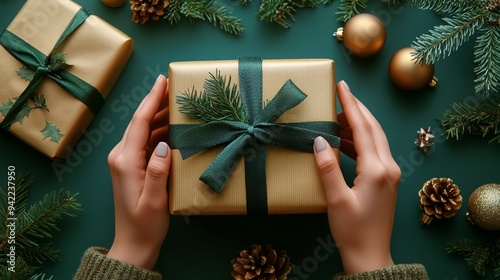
201 247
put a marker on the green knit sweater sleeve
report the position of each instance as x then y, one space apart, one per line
396 272
95 265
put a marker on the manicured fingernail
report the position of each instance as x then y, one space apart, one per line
319 144
161 150
159 77
345 86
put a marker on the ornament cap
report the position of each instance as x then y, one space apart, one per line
433 83
339 34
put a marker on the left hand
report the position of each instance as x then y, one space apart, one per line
139 173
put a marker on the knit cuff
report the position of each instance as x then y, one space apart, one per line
401 271
95 265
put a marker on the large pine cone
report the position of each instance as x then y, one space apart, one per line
261 263
143 10
439 197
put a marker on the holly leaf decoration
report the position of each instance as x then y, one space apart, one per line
26 73
57 62
24 113
39 101
51 131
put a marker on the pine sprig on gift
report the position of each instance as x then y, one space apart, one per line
482 119
34 227
478 254
220 100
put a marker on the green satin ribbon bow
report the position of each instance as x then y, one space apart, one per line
251 139
38 62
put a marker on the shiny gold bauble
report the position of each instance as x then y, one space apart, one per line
363 35
484 207
408 74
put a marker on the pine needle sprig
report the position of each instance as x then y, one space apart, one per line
482 119
487 57
173 12
34 227
349 8
441 41
447 6
477 253
277 11
219 101
212 12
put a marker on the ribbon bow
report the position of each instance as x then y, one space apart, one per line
45 66
250 140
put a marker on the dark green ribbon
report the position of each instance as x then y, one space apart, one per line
38 62
251 139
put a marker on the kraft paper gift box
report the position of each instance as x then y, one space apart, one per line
55 107
292 181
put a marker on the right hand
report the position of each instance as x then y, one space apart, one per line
360 217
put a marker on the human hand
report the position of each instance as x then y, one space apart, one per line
139 174
360 217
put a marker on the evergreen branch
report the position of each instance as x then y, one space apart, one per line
213 13
349 8
277 11
23 271
40 277
219 100
481 119
40 253
478 254
443 39
447 6
391 2
173 12
487 56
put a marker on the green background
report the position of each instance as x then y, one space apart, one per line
201 247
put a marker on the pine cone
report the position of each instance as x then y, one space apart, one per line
143 10
261 263
439 197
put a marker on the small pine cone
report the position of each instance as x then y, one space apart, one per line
143 10
261 263
439 197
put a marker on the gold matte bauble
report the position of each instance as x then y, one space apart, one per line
408 74
363 35
484 207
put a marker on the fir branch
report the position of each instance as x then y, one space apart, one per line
219 100
349 8
444 39
466 119
447 6
173 13
277 11
477 253
212 12
487 56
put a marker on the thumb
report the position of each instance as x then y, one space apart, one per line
336 190
155 184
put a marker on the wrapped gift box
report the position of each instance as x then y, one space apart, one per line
53 119
293 183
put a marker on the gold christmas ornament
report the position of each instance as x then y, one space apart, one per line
143 10
439 198
409 75
484 207
113 3
261 263
363 35
425 139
